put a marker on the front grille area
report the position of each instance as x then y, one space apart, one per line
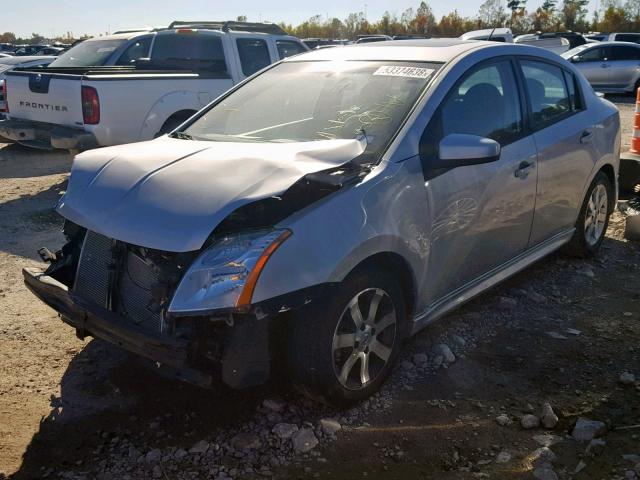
92 277
134 297
112 275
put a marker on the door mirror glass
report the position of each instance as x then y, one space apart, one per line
460 149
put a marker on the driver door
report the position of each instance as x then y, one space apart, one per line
480 215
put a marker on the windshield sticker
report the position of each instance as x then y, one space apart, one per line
106 49
410 72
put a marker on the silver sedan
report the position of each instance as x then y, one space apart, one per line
610 67
332 206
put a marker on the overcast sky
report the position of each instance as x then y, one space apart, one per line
53 18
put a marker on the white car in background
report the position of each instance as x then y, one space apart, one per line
556 44
503 35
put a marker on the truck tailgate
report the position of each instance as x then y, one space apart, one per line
42 97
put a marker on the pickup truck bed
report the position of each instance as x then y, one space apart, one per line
77 108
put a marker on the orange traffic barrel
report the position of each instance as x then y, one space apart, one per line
635 138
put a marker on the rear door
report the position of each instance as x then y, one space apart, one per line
45 97
481 215
624 61
563 135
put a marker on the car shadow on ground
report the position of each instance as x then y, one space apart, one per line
106 393
17 161
29 221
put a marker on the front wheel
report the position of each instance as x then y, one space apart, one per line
343 350
593 219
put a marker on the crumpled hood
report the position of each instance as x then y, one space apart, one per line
170 194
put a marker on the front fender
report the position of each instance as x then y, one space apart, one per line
385 213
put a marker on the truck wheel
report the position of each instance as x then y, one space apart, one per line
343 350
593 218
173 122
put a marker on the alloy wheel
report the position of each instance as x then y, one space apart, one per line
596 215
364 338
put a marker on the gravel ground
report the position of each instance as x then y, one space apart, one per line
514 385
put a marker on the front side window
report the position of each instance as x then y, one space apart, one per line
90 53
309 101
189 51
288 48
486 103
548 95
254 55
593 55
138 49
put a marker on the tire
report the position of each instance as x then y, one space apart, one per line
333 373
591 225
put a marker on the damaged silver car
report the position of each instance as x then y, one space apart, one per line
330 207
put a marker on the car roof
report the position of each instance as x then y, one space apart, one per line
628 44
432 50
118 36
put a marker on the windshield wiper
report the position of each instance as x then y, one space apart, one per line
181 135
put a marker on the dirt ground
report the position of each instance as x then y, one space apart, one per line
561 332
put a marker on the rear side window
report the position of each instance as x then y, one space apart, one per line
254 55
189 51
548 95
624 52
288 48
138 49
627 37
486 103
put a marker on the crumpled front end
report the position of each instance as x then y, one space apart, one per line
120 293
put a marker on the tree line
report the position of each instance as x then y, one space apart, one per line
551 16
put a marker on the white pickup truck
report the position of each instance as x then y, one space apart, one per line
190 64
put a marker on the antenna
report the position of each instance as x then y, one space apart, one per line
491 34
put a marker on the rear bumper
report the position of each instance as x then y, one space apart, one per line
46 136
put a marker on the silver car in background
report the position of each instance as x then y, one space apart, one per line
610 67
380 187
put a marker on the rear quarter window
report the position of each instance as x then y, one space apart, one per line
189 51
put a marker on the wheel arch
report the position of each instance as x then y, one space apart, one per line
166 107
400 268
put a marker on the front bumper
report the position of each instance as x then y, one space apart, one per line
245 347
47 136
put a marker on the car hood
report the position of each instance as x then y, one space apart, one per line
169 194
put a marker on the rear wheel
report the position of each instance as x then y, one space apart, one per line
593 219
343 350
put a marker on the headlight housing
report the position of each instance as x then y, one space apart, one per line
225 274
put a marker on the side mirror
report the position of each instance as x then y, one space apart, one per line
461 149
576 59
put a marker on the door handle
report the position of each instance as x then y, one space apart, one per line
586 136
523 169
604 65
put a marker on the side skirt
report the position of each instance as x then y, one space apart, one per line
488 280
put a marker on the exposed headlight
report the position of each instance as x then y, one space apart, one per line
225 274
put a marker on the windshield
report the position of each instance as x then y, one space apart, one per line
575 51
307 101
90 53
